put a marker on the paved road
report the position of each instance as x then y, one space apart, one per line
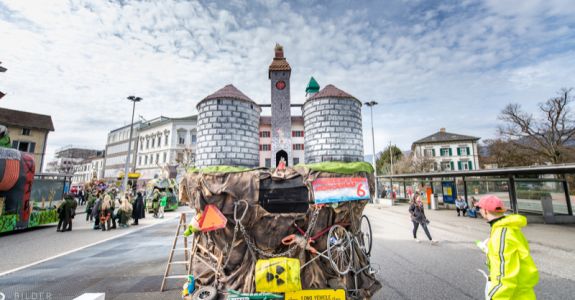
131 266
411 270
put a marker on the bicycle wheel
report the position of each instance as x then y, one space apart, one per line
366 238
339 249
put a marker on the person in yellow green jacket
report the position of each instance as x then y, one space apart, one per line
512 272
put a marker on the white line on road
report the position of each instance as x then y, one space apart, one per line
83 247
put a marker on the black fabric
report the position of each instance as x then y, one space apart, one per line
284 196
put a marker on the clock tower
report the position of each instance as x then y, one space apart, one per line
279 75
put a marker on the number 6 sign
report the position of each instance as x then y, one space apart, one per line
341 189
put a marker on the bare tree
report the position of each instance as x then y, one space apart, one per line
547 136
410 164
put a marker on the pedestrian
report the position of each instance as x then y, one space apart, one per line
124 212
72 205
418 218
460 206
81 196
163 204
105 213
138 211
156 202
115 207
96 209
473 209
512 272
64 214
90 206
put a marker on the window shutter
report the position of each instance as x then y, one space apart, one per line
433 152
451 165
31 147
459 165
470 165
451 154
458 151
468 152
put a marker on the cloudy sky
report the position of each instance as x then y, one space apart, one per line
430 64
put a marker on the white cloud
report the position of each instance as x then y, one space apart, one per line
454 65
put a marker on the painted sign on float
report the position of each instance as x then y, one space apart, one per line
316 295
333 190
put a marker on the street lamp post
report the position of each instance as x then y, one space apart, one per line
371 104
134 99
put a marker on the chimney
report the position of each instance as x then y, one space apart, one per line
442 129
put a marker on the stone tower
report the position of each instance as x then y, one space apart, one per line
279 75
332 120
228 123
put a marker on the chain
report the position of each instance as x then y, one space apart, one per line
289 251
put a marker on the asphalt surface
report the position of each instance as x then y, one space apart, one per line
448 270
128 267
132 266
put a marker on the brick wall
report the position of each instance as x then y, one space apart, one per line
227 133
333 130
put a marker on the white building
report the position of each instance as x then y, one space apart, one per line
165 141
297 140
448 151
91 168
117 150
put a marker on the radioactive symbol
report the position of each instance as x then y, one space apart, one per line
276 276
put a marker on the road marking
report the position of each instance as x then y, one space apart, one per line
84 247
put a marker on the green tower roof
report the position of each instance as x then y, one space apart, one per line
312 86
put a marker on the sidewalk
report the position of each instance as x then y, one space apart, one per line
28 247
551 245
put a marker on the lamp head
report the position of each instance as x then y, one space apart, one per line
134 98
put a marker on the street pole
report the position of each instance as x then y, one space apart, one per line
125 183
370 105
391 157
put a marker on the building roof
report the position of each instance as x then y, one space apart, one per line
279 63
228 92
25 119
330 91
442 136
312 86
267 120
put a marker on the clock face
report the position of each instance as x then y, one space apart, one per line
280 85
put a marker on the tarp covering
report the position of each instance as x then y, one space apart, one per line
226 258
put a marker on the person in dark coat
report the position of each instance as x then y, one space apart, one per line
418 218
138 211
65 213
96 211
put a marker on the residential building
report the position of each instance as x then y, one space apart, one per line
117 150
448 151
297 140
28 132
91 168
165 142
69 157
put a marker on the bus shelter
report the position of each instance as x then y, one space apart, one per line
540 192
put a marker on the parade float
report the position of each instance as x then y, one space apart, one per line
290 233
26 199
